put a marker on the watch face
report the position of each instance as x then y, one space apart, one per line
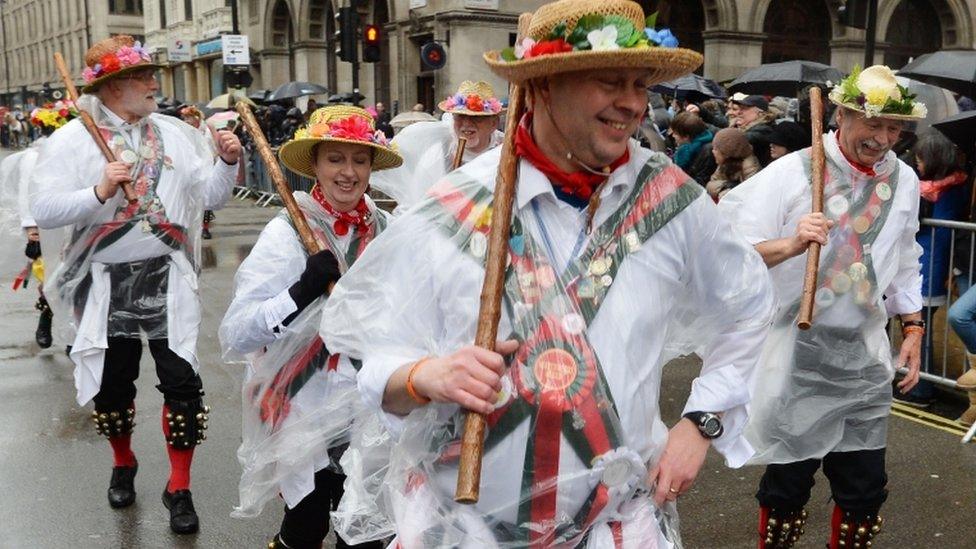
712 426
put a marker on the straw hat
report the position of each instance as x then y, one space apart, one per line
472 99
875 92
576 35
337 124
114 57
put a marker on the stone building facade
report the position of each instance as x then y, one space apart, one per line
34 29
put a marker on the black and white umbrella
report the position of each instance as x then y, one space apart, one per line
691 87
960 129
292 90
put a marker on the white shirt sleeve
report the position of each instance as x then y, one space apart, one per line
904 294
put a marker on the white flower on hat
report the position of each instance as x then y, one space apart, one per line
878 85
603 39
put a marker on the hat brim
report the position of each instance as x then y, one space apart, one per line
445 106
296 155
664 63
94 84
853 107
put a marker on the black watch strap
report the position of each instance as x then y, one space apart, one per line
919 323
706 423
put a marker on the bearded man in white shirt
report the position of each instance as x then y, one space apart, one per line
131 267
824 394
618 262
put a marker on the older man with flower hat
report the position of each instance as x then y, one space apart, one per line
294 384
618 262
16 171
429 148
131 267
824 394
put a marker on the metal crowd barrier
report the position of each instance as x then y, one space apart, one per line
258 183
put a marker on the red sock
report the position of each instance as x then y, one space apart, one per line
122 450
179 461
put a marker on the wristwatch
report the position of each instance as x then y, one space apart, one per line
709 424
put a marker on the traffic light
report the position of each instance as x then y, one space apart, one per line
371 44
346 22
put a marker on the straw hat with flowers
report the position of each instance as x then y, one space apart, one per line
472 99
114 57
578 35
875 92
337 124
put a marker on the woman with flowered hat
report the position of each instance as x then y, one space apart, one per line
15 177
429 148
617 262
824 394
131 267
295 386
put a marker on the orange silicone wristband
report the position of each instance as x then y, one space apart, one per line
912 329
411 390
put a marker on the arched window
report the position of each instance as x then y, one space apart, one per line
796 30
914 29
281 31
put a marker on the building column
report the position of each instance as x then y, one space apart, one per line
310 63
203 79
166 81
728 54
189 82
274 65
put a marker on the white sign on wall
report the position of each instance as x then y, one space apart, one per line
179 50
235 49
481 4
414 4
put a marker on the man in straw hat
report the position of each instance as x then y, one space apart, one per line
131 267
429 148
294 384
618 262
824 394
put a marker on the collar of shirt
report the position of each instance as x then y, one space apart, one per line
132 130
532 183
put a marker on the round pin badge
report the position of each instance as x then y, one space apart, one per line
128 157
599 266
857 271
478 244
837 205
546 276
883 191
616 473
840 283
573 324
606 280
861 224
632 241
825 297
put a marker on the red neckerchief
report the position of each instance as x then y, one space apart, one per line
357 217
580 184
866 170
933 189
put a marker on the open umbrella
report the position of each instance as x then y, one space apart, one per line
952 70
404 119
784 79
222 101
938 101
292 90
691 87
960 129
259 96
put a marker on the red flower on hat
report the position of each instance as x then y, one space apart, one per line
354 127
546 47
110 63
474 103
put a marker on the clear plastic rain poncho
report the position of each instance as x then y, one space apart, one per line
299 401
829 388
127 269
428 148
598 315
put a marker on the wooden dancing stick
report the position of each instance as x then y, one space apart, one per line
89 122
459 155
278 178
805 319
473 439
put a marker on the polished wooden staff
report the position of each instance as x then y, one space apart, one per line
278 178
89 122
459 155
805 319
473 438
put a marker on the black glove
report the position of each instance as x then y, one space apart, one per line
33 249
321 270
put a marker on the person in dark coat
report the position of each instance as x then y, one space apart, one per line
787 137
753 120
694 146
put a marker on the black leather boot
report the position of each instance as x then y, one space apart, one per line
122 490
182 516
43 333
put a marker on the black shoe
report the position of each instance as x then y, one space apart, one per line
205 234
276 543
912 400
43 333
182 517
122 490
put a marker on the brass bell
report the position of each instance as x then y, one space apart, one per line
861 531
772 522
200 416
114 415
203 436
179 418
203 425
169 415
206 409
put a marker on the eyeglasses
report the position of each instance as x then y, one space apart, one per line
143 76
